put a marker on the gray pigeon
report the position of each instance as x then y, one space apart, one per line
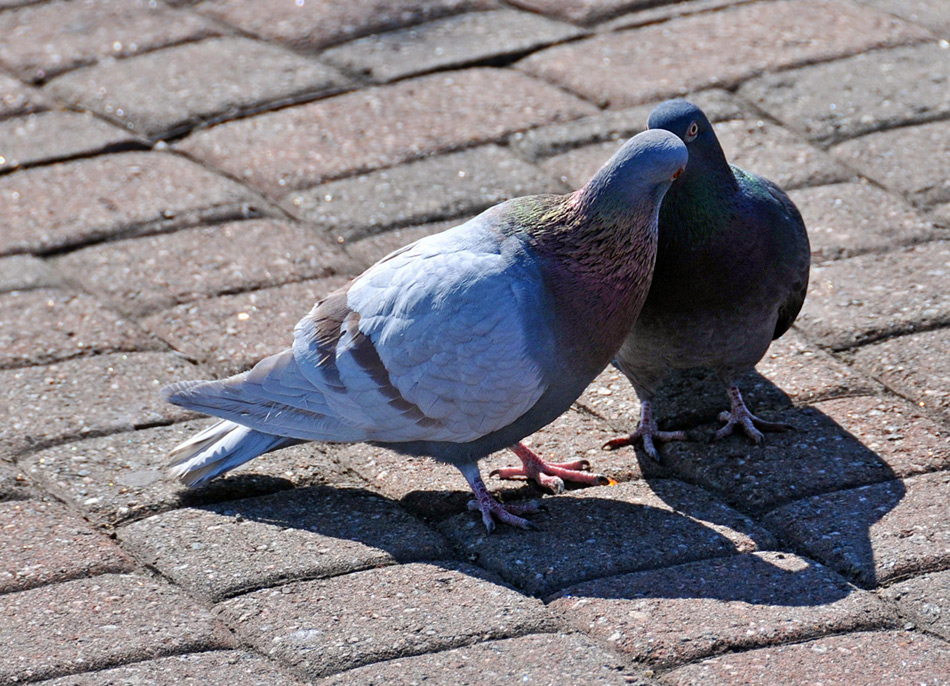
731 274
461 343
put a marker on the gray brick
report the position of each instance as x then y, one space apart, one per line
93 623
666 11
14 484
403 610
104 197
462 183
683 613
17 99
586 534
932 14
583 11
223 550
925 600
25 272
874 534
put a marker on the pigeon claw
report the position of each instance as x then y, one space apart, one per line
549 475
491 510
648 432
740 416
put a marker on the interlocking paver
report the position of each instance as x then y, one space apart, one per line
582 11
25 272
50 38
869 297
400 611
17 99
14 485
112 195
925 600
88 396
859 659
653 14
914 366
934 14
170 91
608 530
223 550
686 612
873 534
715 49
89 624
156 272
381 127
426 190
41 543
550 659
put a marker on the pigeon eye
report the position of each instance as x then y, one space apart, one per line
692 131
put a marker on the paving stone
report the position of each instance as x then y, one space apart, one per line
45 325
171 91
401 611
223 550
88 396
529 659
51 136
156 272
14 484
462 183
866 298
587 534
942 214
117 478
302 146
41 543
683 613
112 195
315 25
925 600
50 38
715 49
874 534
25 272
17 99
231 333
933 14
848 219
913 366
93 623
367 251
858 659
664 12
215 668
446 43
869 92
919 154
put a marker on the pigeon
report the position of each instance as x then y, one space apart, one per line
460 344
731 274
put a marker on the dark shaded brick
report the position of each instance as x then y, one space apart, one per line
17 99
171 91
682 613
41 543
88 396
715 49
586 534
426 190
925 600
93 623
25 272
869 92
874 534
863 299
112 195
932 14
302 146
224 550
401 611
156 272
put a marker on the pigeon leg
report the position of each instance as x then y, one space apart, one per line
490 508
550 475
741 416
648 431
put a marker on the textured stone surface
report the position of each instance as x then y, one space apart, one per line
934 14
587 534
171 91
869 297
93 623
156 272
302 146
112 195
833 101
654 13
682 613
14 484
41 543
17 99
223 550
873 534
25 272
450 42
50 38
400 611
925 600
582 11
714 49
458 184
88 396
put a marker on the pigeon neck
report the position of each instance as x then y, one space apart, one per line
700 201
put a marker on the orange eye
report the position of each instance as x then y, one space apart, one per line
678 173
692 131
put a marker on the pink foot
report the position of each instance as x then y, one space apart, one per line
491 509
550 475
742 417
648 432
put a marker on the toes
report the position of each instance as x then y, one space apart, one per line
615 443
650 448
508 473
553 483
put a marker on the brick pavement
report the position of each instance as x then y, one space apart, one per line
180 180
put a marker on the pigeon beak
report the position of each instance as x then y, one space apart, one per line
678 173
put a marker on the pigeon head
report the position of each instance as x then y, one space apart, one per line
686 121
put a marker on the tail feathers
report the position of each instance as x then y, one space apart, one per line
218 449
